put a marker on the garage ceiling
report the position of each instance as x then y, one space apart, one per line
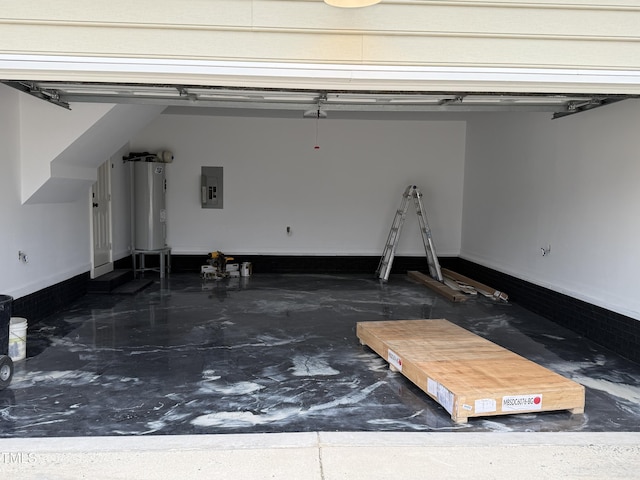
309 103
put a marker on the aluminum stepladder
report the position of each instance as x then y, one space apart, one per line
389 252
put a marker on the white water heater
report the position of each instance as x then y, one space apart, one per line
149 206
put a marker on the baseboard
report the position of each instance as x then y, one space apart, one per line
38 305
318 264
612 330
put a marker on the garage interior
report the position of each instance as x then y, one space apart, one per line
527 166
307 293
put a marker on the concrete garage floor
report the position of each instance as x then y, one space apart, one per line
200 362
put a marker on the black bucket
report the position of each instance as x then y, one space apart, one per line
5 320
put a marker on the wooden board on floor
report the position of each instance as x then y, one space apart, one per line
467 374
480 287
435 285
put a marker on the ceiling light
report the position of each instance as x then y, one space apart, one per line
314 113
214 96
85 91
351 3
289 98
154 93
341 98
417 99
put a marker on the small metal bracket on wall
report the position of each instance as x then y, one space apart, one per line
588 104
211 187
47 94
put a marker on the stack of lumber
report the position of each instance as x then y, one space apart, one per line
456 287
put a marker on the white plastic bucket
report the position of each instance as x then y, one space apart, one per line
18 338
245 269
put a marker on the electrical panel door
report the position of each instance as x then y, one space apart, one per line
211 187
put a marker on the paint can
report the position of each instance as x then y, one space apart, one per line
246 269
18 338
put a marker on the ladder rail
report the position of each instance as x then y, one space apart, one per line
389 251
427 238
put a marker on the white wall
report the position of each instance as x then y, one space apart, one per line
61 149
571 183
54 236
47 130
338 200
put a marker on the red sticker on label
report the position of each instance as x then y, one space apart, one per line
521 403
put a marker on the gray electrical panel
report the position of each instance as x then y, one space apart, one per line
211 187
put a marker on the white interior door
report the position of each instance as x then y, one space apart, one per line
101 220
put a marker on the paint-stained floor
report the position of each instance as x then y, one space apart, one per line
278 353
